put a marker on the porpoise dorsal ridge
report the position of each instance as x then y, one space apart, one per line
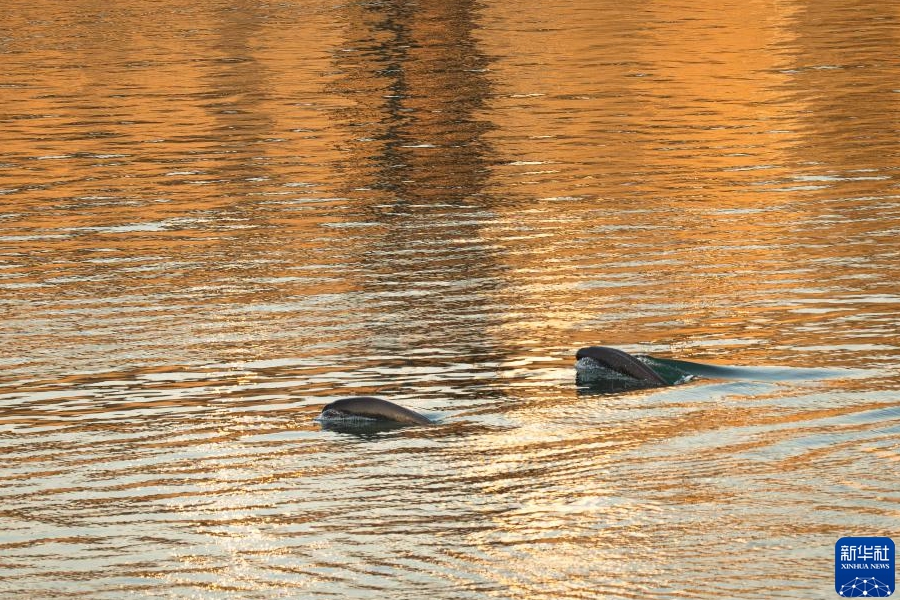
621 362
370 407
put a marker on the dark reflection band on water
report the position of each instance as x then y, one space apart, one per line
216 217
416 155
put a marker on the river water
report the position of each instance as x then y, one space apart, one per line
216 217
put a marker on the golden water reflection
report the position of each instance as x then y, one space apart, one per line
215 217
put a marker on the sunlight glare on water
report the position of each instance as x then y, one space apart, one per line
217 217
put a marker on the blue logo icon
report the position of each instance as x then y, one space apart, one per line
864 567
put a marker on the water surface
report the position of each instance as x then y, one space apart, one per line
216 217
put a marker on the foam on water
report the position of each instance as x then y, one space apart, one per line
336 416
590 370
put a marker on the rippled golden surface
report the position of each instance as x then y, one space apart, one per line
217 216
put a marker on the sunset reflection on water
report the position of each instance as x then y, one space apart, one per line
217 217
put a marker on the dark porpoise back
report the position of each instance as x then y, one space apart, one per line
621 362
376 408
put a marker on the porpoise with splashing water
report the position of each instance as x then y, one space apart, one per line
373 409
620 362
608 370
618 370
